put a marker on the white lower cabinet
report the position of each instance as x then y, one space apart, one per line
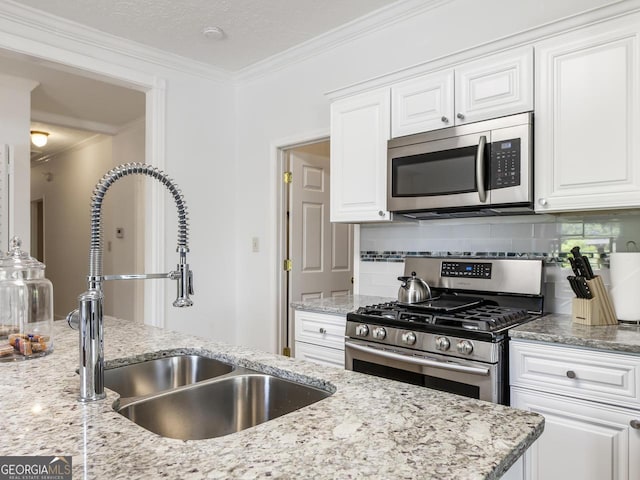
320 337
588 435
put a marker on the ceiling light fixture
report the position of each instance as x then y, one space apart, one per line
215 33
39 139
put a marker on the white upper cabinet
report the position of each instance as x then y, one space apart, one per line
422 104
587 118
360 129
493 86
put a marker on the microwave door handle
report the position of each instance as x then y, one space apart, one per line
482 192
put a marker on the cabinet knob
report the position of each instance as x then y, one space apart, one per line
323 330
444 119
381 213
635 424
460 116
571 374
542 201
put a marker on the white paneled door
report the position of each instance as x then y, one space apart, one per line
321 251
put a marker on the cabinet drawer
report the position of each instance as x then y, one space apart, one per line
592 375
320 329
322 355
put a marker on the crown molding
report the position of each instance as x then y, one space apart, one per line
18 83
44 26
361 26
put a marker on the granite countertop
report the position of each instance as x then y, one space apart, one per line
339 305
554 328
369 428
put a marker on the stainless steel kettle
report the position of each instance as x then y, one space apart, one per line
413 289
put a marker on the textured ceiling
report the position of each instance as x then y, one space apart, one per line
255 29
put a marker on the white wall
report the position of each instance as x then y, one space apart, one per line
15 120
291 101
124 208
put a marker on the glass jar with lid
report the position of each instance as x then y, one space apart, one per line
26 306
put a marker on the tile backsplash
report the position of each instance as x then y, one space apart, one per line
384 246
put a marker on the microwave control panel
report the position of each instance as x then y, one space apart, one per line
505 164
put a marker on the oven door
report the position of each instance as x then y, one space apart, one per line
447 173
468 378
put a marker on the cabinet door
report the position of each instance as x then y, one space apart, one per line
422 104
581 440
587 109
494 86
322 355
360 129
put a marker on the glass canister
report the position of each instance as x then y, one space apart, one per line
26 306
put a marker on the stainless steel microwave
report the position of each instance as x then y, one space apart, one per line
483 168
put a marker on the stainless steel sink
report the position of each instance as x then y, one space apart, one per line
160 374
220 407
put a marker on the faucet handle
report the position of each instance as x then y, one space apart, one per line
73 319
185 286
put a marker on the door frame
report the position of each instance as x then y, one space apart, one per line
154 88
279 159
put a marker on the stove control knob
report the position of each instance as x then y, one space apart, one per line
409 338
442 343
465 347
362 330
379 333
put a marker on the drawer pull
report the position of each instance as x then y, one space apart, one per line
635 424
571 374
323 330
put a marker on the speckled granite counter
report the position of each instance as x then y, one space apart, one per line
369 428
561 329
340 305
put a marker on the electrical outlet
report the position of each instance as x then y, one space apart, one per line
255 244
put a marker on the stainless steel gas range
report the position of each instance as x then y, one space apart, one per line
457 341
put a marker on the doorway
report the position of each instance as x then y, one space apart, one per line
37 229
57 67
317 254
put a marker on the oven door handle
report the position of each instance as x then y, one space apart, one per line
419 361
482 192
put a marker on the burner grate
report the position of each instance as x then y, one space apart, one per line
487 318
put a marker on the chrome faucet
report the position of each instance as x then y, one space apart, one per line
88 318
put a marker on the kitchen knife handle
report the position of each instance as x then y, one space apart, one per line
573 285
584 287
482 192
587 266
572 262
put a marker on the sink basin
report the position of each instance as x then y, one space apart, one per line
160 374
220 407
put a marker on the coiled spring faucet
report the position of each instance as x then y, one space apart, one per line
89 316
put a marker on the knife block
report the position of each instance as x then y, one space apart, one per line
597 310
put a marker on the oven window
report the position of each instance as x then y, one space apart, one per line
437 173
413 378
